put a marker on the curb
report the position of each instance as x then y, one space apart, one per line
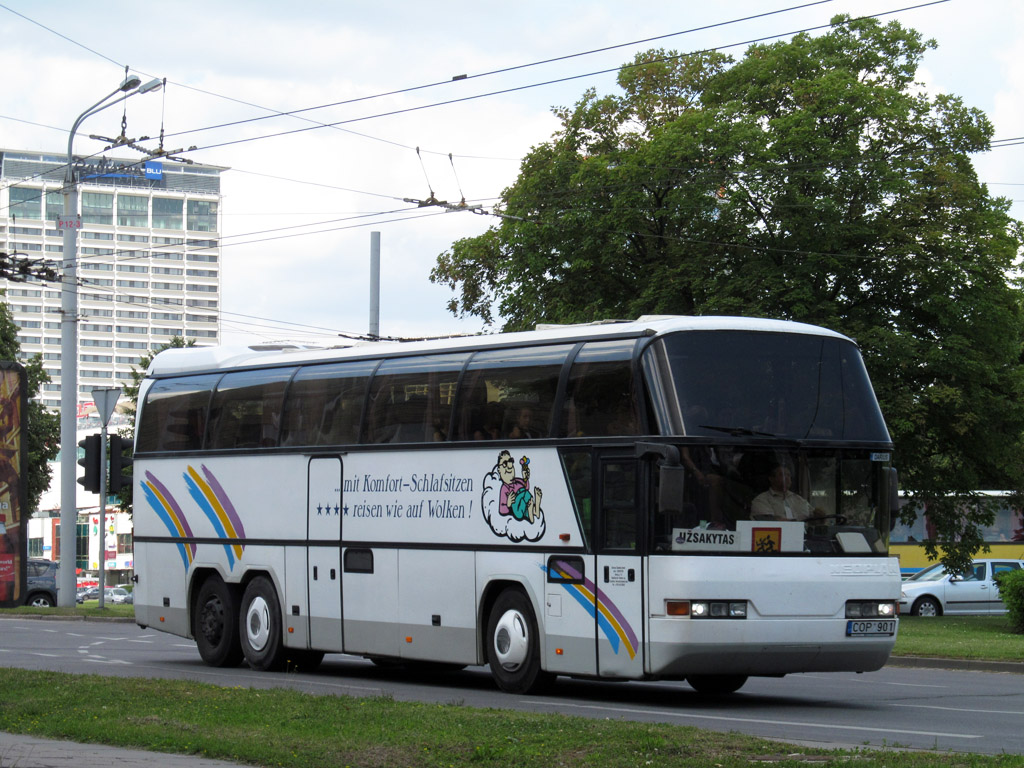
42 617
974 665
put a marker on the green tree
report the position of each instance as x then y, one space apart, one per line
131 393
813 180
42 427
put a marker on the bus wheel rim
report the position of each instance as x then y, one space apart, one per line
257 623
511 641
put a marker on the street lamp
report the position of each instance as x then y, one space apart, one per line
70 223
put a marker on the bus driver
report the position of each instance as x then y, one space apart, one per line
780 503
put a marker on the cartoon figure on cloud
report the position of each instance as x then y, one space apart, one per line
511 507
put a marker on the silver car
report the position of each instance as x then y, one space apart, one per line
933 592
117 595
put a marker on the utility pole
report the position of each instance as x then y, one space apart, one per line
374 331
71 222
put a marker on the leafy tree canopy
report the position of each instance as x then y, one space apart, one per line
813 180
41 427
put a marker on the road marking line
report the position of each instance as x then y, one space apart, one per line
961 709
760 721
875 681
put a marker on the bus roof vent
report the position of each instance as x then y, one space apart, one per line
556 326
281 346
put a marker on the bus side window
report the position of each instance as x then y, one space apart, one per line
248 406
411 399
324 404
600 397
522 381
173 416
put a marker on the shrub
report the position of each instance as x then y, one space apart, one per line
1011 589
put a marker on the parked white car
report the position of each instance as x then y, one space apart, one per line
933 592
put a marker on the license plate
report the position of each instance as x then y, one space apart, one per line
867 628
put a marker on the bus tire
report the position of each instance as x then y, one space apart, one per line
260 622
215 624
714 685
513 647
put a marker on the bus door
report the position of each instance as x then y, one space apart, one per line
619 573
323 561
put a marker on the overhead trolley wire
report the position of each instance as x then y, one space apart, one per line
568 78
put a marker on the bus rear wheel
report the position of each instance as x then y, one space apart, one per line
260 619
513 648
215 624
716 684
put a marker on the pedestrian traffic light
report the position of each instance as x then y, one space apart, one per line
90 479
120 463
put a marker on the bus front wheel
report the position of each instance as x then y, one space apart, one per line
215 624
513 648
260 619
716 684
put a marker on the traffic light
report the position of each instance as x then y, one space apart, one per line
90 479
120 463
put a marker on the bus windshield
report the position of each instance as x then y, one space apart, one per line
773 500
779 428
749 383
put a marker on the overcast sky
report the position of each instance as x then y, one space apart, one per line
298 208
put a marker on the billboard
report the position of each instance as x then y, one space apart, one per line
13 523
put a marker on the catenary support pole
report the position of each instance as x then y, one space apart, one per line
374 284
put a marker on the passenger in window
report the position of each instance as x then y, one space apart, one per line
780 503
523 427
269 429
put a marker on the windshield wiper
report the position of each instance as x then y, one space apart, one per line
737 431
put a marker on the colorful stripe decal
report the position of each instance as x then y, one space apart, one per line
169 511
210 497
609 618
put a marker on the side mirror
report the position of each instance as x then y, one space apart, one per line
894 498
670 475
670 489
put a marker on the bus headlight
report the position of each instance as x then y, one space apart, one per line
707 609
870 609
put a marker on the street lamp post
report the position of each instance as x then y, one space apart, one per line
70 224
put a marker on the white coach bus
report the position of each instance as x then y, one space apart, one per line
699 498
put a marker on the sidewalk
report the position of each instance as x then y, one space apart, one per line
17 751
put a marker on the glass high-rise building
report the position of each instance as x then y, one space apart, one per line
148 260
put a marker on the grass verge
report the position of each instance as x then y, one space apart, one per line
988 638
296 730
